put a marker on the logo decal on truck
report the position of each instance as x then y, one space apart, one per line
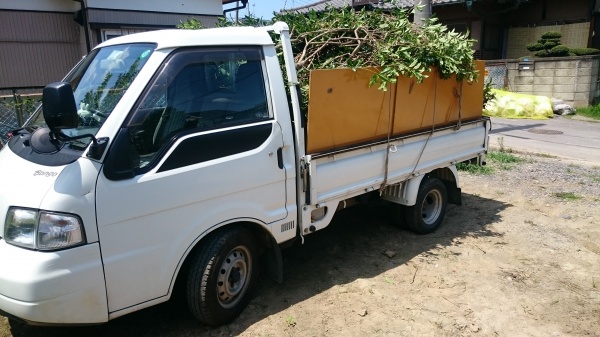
45 173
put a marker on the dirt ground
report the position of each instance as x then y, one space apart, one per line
521 257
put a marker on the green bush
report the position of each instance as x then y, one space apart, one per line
535 46
559 51
542 53
551 35
550 45
584 51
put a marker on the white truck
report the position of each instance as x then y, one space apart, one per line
175 157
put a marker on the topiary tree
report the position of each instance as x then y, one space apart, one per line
549 45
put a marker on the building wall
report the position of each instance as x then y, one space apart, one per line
574 35
40 5
206 7
37 48
40 42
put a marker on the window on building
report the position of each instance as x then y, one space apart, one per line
107 34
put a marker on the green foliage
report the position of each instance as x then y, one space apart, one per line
549 45
474 168
592 111
559 51
504 157
584 51
190 23
535 46
388 41
551 35
488 94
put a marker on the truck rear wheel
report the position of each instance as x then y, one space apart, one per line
222 275
429 210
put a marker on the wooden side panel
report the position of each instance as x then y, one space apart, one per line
343 110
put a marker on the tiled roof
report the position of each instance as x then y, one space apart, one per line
324 4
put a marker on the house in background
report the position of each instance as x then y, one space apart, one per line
40 40
502 28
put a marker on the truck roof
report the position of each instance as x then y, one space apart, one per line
174 38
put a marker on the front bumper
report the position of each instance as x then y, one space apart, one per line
63 287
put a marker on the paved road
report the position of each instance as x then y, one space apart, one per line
562 137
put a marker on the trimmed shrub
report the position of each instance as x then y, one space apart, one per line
550 45
584 51
551 35
559 51
542 53
535 46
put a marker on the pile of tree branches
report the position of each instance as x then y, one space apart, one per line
387 41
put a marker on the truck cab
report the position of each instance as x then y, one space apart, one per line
173 135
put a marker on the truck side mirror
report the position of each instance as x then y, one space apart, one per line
60 111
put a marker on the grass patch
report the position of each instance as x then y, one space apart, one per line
592 111
474 168
504 157
570 196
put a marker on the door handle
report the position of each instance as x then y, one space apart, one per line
280 157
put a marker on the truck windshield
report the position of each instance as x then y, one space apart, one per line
99 82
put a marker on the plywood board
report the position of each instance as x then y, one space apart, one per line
344 111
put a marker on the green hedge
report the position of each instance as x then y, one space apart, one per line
584 51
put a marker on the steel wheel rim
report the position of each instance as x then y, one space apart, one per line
431 207
234 275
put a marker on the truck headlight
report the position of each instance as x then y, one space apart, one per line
42 230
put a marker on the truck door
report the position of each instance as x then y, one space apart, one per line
204 145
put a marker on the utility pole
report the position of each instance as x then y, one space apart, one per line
423 13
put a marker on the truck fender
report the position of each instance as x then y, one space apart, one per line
448 175
412 189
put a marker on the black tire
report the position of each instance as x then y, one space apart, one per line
429 210
222 275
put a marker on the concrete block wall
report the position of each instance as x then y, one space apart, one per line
572 79
574 35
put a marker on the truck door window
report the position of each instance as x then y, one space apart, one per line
198 90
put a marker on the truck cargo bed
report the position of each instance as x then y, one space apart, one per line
340 174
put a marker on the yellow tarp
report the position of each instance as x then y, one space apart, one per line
511 105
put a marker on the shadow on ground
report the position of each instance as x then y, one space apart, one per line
351 248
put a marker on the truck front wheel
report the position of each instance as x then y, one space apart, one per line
221 276
429 210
